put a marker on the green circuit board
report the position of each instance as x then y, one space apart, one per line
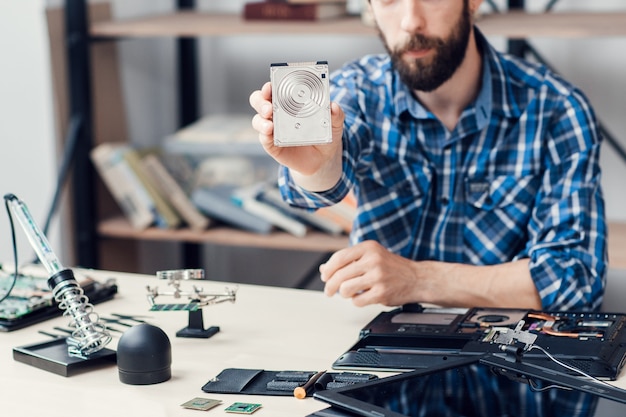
30 293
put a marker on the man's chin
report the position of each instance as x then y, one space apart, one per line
417 65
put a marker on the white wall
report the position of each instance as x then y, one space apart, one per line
27 142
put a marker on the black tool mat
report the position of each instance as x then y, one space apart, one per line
264 382
414 337
31 300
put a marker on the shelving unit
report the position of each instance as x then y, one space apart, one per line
186 25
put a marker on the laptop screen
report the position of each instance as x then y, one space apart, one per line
473 388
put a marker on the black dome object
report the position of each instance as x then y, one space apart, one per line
144 355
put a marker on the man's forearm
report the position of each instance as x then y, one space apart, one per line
506 285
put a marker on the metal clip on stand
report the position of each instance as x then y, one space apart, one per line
197 300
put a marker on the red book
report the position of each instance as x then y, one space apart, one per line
288 11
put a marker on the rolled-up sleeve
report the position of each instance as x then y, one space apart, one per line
568 234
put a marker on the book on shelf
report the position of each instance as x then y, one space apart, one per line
167 217
271 195
124 185
167 186
182 168
217 203
216 134
310 11
247 198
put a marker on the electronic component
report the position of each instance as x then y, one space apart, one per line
496 317
301 103
242 408
508 336
202 404
175 307
29 294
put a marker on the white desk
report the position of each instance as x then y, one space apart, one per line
266 328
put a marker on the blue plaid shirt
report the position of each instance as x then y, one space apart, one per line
517 178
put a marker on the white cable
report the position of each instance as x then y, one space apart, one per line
574 369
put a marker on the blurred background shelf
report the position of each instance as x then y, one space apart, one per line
513 25
119 227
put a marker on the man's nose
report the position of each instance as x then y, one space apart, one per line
413 17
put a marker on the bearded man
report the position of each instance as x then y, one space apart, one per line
476 175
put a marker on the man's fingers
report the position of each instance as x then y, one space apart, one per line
262 125
260 101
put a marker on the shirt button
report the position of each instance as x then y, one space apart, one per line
445 201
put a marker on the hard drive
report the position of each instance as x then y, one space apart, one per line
301 101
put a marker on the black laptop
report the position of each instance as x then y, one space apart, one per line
415 337
433 391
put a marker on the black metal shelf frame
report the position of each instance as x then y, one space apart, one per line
79 140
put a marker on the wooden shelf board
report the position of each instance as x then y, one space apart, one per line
119 227
511 25
190 24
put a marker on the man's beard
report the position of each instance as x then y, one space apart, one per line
448 56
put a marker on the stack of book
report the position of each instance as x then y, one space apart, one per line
310 10
264 200
145 189
210 172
